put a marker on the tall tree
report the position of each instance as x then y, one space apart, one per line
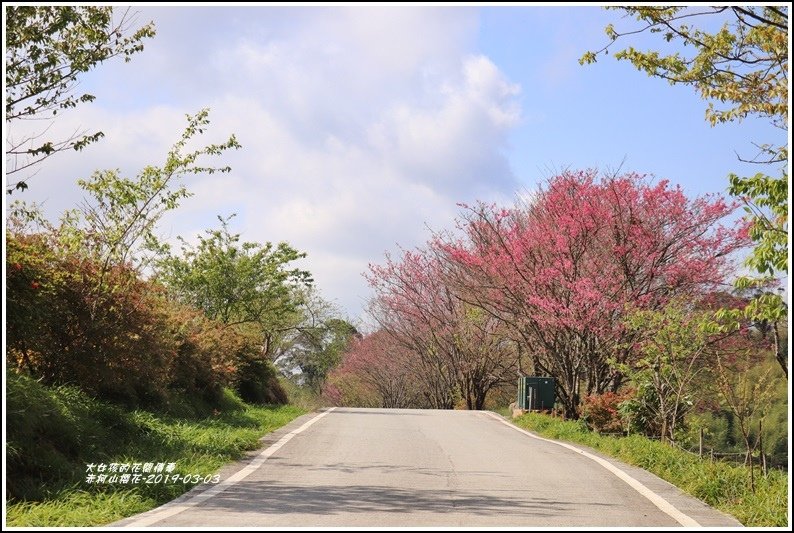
385 369
415 308
671 349
561 270
47 48
116 223
119 218
741 70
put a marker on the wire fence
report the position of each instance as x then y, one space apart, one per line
756 458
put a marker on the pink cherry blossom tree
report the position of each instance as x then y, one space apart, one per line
383 368
561 269
460 351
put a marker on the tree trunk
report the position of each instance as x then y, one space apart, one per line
781 351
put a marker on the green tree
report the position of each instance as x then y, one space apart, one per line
746 390
311 313
82 312
236 283
741 70
316 351
47 48
251 288
671 354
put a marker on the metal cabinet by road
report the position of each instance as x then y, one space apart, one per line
535 393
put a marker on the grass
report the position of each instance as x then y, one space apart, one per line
721 485
302 397
503 411
53 433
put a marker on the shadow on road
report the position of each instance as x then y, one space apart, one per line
276 498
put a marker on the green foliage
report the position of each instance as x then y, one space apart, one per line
83 315
249 288
47 48
52 433
318 350
766 204
744 64
124 212
640 412
776 419
746 390
258 383
770 232
671 347
301 397
721 433
236 283
721 485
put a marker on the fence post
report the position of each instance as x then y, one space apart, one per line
700 444
761 446
752 474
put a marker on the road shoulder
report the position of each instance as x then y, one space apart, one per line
701 512
226 472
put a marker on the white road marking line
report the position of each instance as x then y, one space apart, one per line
663 505
150 517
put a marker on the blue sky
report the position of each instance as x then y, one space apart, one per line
362 127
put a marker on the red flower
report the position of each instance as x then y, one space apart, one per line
34 285
17 266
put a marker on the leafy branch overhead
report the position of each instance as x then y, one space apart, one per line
744 64
47 48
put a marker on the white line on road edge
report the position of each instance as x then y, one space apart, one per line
167 510
663 505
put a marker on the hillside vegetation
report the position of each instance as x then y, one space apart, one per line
55 433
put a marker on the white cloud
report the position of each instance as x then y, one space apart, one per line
359 128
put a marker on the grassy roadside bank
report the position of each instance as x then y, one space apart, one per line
723 486
53 434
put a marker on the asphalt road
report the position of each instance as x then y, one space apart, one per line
382 467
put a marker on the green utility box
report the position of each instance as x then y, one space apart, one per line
535 393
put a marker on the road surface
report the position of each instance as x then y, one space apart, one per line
388 467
